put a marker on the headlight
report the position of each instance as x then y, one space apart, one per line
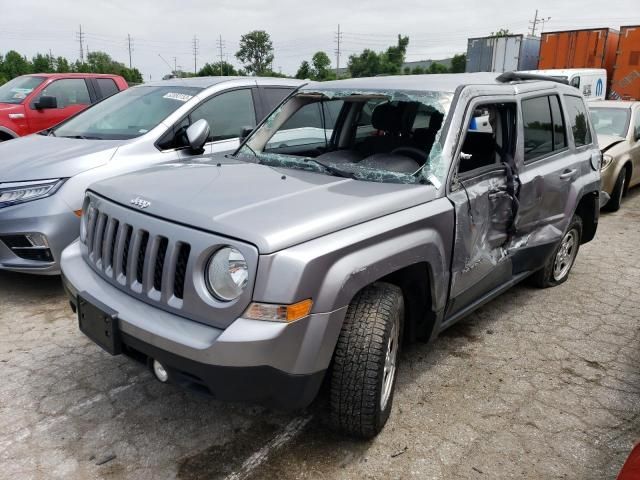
85 219
606 161
20 192
227 274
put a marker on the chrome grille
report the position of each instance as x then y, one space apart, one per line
136 258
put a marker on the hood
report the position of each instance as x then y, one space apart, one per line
37 157
7 108
272 208
606 142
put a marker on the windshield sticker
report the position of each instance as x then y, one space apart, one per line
19 95
181 97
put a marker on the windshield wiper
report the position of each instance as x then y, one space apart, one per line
81 137
333 170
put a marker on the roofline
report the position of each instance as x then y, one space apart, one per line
608 29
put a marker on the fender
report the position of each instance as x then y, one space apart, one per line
8 131
332 269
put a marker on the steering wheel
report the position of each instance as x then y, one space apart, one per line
414 153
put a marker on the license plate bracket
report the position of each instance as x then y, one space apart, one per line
99 323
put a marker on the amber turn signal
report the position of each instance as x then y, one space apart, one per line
279 313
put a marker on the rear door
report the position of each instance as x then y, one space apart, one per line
552 159
72 96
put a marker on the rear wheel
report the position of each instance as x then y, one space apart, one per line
613 205
557 268
363 374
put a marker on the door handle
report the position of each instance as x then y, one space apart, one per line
568 173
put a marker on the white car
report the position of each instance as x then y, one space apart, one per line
43 176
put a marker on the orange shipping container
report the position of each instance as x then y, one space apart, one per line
625 82
593 48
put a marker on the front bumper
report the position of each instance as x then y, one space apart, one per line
266 362
48 216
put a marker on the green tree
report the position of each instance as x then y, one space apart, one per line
41 64
256 52
436 67
321 66
304 71
223 69
419 70
370 63
407 70
459 63
15 65
503 32
62 65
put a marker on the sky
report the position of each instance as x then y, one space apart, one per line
164 30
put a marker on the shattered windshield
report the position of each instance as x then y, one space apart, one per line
383 136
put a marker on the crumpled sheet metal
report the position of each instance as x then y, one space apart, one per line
482 211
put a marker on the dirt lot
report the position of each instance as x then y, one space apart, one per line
537 384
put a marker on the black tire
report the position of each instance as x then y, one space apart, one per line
546 277
358 369
613 205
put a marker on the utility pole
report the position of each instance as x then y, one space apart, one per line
129 45
175 66
338 40
221 45
196 45
80 35
536 21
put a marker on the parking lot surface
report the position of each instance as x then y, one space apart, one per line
536 384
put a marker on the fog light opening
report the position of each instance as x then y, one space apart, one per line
160 372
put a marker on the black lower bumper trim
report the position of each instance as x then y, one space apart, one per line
264 385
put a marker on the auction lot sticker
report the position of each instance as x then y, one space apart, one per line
181 97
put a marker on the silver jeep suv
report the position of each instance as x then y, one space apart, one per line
359 215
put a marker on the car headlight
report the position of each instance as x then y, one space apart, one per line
606 161
227 274
20 192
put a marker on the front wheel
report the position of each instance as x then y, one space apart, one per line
557 268
363 374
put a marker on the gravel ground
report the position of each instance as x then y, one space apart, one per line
536 384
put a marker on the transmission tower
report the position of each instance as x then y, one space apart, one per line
338 41
196 47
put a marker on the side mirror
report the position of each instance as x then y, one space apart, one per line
197 134
245 132
45 102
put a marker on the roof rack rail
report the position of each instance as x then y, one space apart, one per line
521 76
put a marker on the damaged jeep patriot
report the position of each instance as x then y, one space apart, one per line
360 214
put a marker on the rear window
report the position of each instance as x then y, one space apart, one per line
577 115
16 90
544 127
107 87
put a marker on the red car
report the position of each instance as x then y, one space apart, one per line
31 103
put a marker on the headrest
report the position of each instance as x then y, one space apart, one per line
384 117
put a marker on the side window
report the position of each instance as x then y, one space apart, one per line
107 87
575 82
227 114
272 96
637 125
305 127
577 115
538 131
559 128
490 137
68 91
